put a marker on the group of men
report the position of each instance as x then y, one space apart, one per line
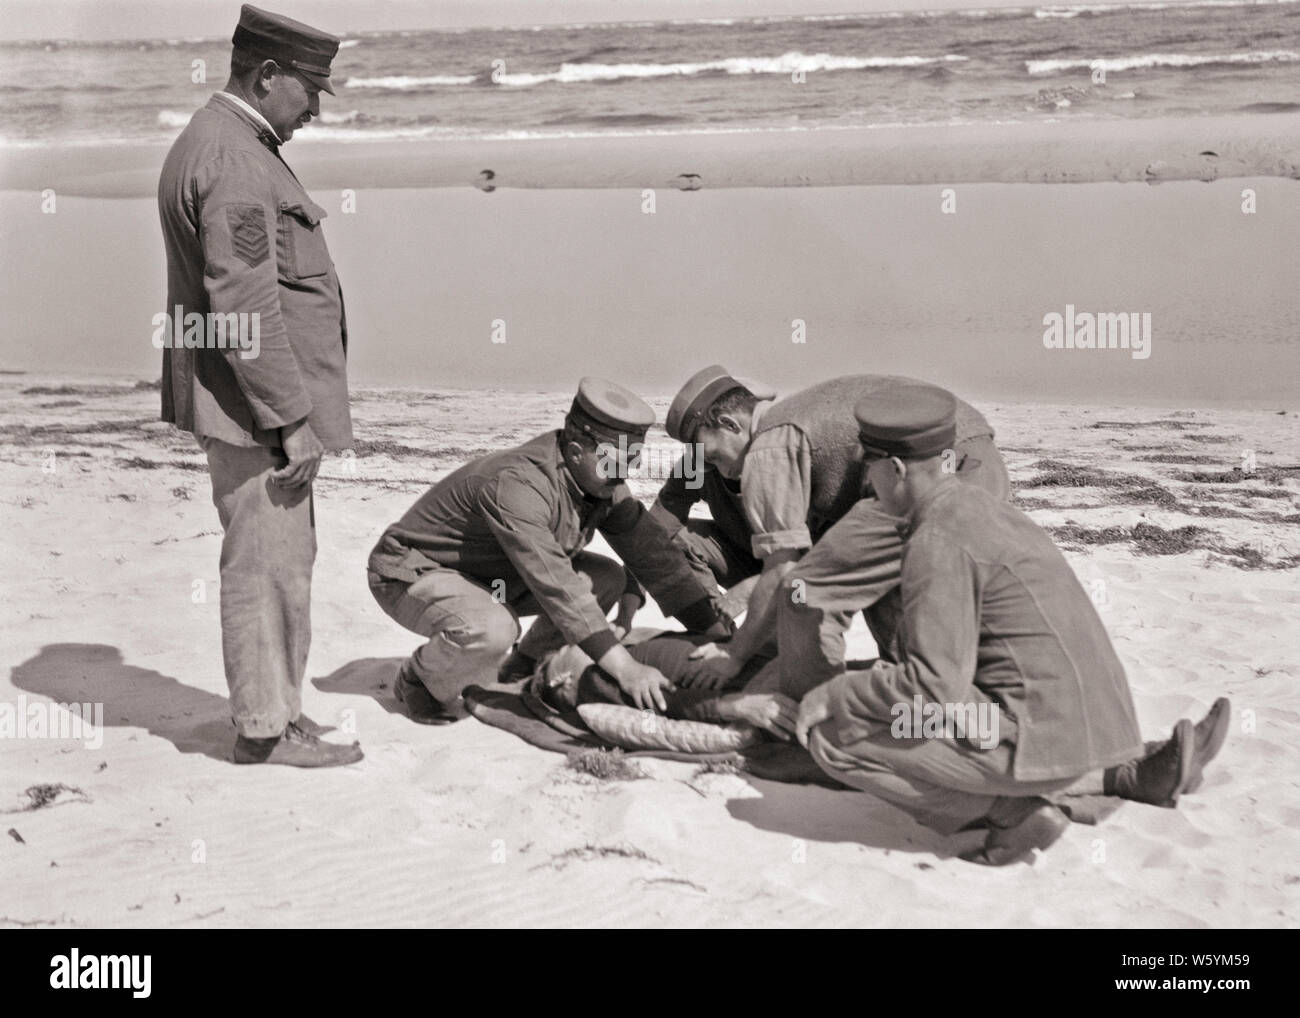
867 493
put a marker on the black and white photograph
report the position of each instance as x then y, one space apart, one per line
623 464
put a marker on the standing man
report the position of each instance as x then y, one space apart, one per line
504 536
994 624
244 242
826 548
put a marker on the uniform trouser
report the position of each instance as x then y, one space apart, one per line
470 631
855 566
715 558
266 562
942 783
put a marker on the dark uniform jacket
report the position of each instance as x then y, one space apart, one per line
242 237
992 611
519 516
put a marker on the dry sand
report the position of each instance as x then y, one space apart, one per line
468 825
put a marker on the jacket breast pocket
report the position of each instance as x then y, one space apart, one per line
302 242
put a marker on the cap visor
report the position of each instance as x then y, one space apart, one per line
321 81
871 453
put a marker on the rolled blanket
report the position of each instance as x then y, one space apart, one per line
632 729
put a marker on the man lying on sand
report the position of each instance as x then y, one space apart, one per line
503 536
801 478
570 678
994 619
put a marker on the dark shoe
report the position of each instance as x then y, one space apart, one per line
1211 733
1158 778
295 748
421 707
1039 826
516 668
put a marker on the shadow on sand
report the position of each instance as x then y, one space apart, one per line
190 719
367 676
813 813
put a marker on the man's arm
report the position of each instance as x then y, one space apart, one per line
519 517
940 637
645 548
776 490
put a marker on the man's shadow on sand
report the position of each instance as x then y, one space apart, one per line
190 719
367 676
811 813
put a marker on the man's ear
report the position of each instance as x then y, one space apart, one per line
266 72
900 467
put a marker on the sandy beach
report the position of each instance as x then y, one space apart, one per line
116 602
636 202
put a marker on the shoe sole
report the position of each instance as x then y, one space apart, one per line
1221 713
306 762
1184 734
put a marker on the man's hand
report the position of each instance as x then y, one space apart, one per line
773 712
645 685
304 451
717 667
814 708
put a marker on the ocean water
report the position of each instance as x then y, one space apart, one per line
1030 64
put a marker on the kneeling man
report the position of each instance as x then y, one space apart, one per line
503 536
996 625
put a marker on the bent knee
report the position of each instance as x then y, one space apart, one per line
492 633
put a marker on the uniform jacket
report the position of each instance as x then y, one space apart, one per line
519 517
242 237
992 611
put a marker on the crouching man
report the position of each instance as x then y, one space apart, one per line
504 537
992 616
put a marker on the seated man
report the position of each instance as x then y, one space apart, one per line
503 536
993 618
